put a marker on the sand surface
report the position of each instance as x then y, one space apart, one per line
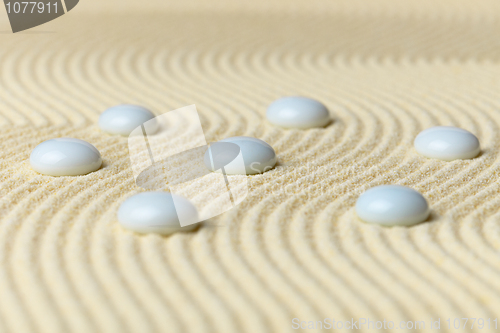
294 248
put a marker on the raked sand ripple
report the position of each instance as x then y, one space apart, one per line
294 248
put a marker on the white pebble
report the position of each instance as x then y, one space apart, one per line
65 157
298 112
447 143
390 205
258 157
123 119
156 212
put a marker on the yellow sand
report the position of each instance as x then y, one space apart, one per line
294 248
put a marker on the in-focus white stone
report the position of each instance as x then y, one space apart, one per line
123 119
65 157
391 205
155 212
298 112
258 156
447 143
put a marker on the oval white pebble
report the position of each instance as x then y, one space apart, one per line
258 156
155 212
391 205
123 119
65 157
298 112
447 143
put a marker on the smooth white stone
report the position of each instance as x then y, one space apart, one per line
258 156
390 205
298 112
447 143
123 119
65 157
155 212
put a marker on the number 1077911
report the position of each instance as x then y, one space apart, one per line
27 7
